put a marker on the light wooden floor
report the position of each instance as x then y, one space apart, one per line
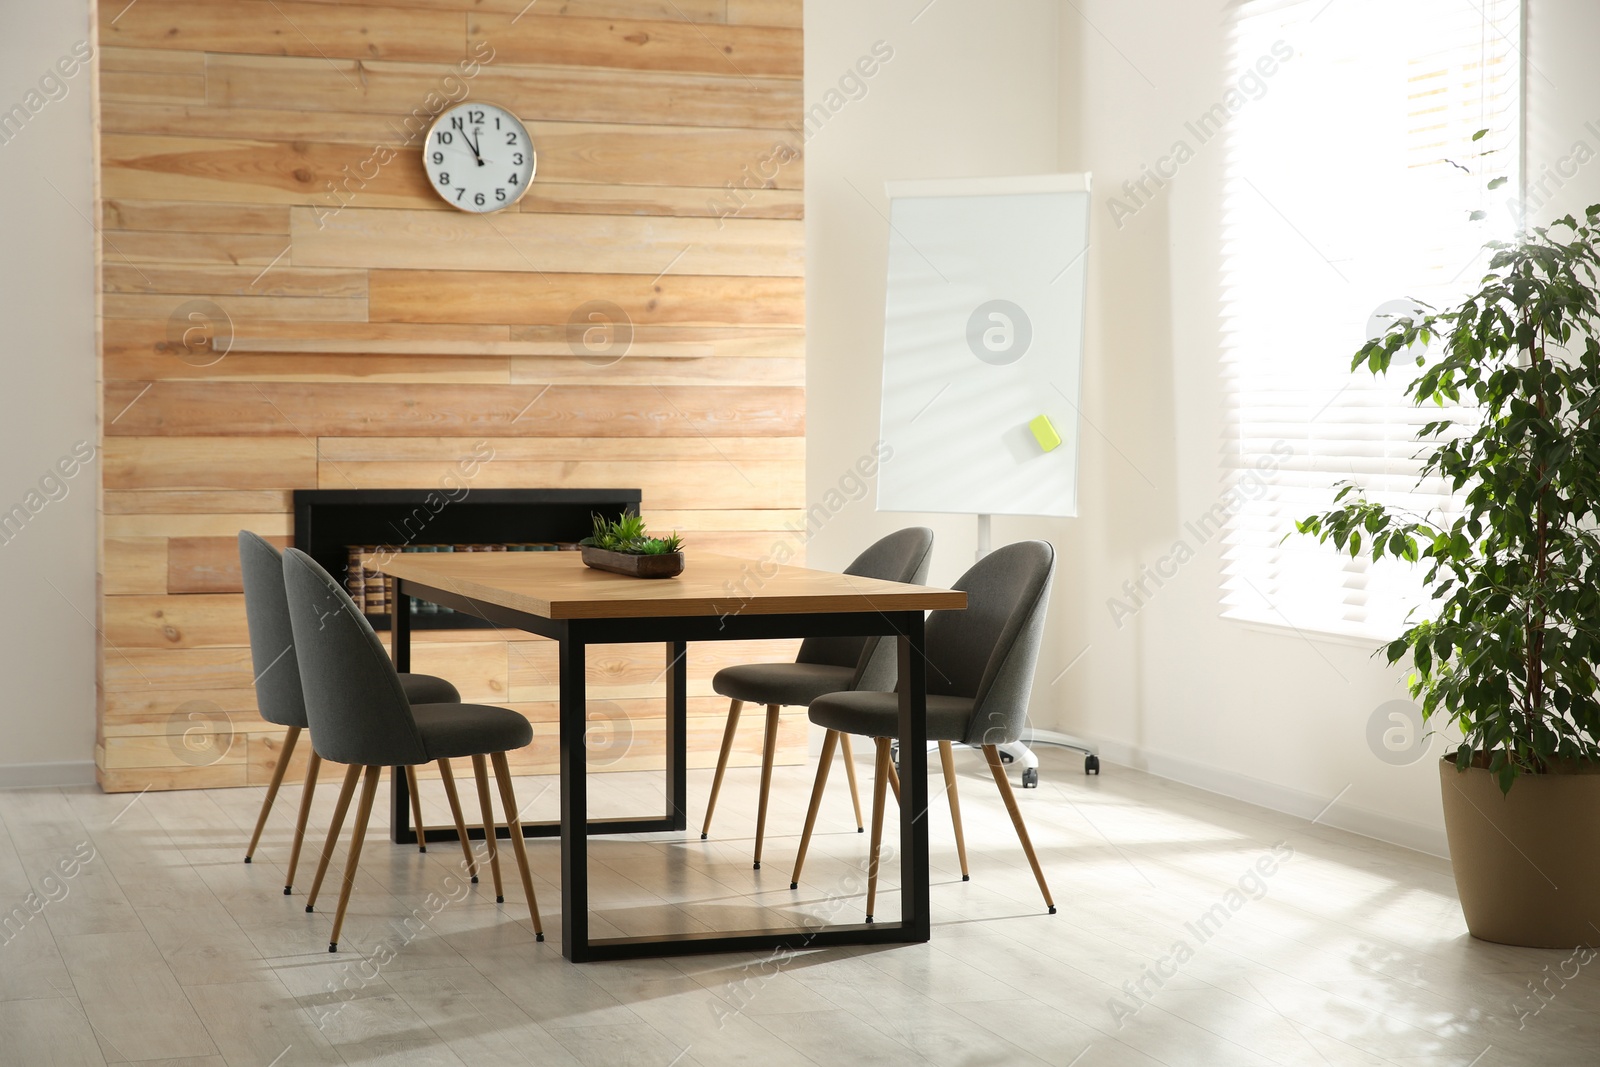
165 948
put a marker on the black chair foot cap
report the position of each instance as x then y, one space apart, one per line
966 877
247 859
1052 909
702 837
499 900
422 848
333 946
309 909
869 918
538 937
758 865
474 879
861 829
287 890
794 885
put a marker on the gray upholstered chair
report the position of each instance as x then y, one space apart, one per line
980 672
358 715
824 665
279 695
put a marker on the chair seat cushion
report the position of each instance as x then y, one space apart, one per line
878 715
781 683
426 689
453 730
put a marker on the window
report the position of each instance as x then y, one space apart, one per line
1350 176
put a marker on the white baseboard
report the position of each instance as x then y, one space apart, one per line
1341 815
26 775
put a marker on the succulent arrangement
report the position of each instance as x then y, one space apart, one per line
627 534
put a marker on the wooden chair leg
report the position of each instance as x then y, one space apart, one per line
894 779
491 842
290 736
734 708
352 774
416 808
850 773
830 740
992 754
449 779
879 780
369 789
769 745
306 792
508 800
947 758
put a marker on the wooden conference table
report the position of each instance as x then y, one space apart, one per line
717 598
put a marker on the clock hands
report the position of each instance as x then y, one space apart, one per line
475 152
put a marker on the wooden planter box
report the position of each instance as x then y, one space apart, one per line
667 565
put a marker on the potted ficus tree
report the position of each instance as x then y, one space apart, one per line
623 546
1505 648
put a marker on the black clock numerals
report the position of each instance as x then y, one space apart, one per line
513 178
445 137
511 137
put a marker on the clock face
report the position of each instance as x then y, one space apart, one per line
479 157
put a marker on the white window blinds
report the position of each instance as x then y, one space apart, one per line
1349 182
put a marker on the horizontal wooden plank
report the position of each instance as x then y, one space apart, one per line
241 310
146 779
716 483
429 339
723 371
534 94
765 12
217 524
743 342
151 60
633 44
280 280
562 449
208 564
190 502
154 330
206 462
692 10
153 88
188 217
146 362
134 670
286 28
511 297
203 620
145 247
133 564
594 244
697 519
686 201
192 412
328 176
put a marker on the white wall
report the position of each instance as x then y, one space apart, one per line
972 89
47 655
1271 716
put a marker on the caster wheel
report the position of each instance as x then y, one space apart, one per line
1091 765
1030 778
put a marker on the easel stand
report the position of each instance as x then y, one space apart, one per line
1020 751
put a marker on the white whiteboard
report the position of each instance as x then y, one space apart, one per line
983 331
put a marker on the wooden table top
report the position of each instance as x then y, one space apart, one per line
556 585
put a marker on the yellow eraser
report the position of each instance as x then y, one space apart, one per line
1045 433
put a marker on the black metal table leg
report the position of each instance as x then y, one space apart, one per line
574 800
400 829
914 919
678 734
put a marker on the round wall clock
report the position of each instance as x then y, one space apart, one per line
479 157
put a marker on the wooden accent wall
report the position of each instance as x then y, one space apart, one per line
259 157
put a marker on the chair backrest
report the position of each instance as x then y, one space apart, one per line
988 651
903 556
355 706
266 608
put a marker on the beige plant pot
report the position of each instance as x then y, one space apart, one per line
1527 863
